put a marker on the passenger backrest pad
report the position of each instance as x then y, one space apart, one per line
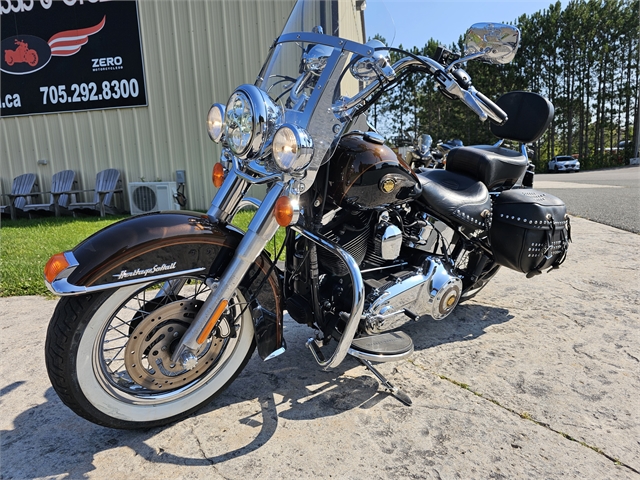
529 116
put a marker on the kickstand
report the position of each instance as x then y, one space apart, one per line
396 392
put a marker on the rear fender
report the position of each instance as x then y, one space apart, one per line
159 246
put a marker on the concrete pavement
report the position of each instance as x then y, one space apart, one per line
534 378
610 196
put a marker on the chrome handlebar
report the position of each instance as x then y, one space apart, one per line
472 98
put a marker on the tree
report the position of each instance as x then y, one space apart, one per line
584 59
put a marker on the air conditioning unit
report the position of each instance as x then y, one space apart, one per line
145 197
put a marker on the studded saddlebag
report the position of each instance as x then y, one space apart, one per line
530 230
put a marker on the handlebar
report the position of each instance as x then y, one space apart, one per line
472 98
499 116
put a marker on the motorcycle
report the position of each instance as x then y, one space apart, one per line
426 156
22 54
421 156
160 312
443 149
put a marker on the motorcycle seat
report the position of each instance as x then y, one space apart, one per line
459 198
493 166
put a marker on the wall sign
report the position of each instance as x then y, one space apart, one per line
71 55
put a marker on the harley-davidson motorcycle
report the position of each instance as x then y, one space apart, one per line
160 312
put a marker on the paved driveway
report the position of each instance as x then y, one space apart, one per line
611 197
534 378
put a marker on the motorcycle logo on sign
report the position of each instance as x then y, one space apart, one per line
24 54
21 54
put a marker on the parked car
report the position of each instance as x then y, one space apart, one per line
564 163
618 148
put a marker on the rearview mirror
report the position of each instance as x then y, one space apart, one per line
315 59
498 43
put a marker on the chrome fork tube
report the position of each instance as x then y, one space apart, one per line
262 228
228 197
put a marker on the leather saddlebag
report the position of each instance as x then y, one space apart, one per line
530 230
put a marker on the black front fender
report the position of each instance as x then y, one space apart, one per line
164 245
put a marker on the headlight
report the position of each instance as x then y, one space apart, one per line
249 120
215 119
238 123
292 148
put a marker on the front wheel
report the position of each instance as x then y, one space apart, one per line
32 58
108 355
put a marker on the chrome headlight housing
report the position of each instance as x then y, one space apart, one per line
292 148
239 122
249 118
215 122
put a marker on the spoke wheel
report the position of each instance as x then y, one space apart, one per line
115 350
465 266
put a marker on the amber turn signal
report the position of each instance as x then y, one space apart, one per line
284 211
218 175
212 322
54 266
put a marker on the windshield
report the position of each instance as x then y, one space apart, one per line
319 79
295 66
344 18
320 66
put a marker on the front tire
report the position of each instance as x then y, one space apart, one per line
107 354
32 58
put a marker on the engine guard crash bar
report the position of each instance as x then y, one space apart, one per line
357 305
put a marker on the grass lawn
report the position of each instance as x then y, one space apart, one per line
26 245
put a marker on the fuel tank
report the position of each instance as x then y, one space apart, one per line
365 174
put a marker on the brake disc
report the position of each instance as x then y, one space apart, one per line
152 342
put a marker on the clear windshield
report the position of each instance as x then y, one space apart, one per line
322 74
295 66
343 18
320 63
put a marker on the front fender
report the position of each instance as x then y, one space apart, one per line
159 246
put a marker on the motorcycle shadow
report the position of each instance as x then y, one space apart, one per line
267 394
468 322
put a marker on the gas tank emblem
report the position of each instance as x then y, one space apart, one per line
387 184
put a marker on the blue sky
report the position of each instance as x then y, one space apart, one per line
415 21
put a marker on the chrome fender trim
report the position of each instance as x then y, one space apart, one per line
64 288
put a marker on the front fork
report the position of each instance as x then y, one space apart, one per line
261 229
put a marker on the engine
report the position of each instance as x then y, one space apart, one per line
402 281
371 242
432 289
366 213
